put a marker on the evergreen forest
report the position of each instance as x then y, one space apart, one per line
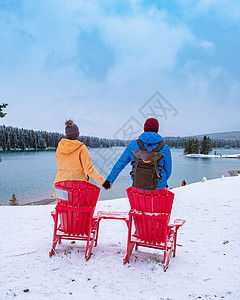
13 138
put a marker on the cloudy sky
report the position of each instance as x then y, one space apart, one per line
111 64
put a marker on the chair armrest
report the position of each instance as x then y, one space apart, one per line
114 215
179 222
96 218
53 213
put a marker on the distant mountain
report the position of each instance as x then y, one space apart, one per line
219 140
232 135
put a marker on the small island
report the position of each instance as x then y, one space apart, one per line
196 149
213 155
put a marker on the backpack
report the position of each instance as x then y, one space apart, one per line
146 173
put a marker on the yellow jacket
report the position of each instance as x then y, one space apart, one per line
74 162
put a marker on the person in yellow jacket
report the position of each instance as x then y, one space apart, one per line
73 159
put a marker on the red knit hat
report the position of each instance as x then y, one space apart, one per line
151 124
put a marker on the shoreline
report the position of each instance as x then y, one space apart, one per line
39 202
232 173
236 156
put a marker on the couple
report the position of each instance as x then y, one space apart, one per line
74 162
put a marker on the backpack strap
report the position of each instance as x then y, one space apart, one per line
159 147
141 145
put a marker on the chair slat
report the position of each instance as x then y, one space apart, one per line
155 203
79 222
160 230
137 221
162 204
149 209
154 231
169 203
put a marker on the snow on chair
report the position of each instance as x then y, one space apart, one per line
150 211
73 215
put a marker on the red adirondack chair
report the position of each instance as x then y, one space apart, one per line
73 215
151 212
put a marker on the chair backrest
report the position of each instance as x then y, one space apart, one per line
77 200
152 213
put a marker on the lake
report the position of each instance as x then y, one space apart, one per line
30 174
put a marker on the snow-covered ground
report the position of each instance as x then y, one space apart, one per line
207 264
213 155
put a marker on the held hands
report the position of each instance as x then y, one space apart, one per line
107 185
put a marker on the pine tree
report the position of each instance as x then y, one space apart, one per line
206 145
188 146
14 141
2 115
41 143
203 145
8 142
195 146
4 105
13 201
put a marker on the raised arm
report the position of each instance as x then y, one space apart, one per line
123 160
88 166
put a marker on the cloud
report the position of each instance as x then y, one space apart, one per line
227 10
98 62
95 57
208 47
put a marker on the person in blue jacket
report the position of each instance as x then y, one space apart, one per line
151 139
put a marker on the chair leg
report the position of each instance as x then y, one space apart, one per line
129 252
98 224
53 251
55 237
88 251
130 245
167 256
175 244
165 253
91 239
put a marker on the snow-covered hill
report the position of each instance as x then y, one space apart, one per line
207 264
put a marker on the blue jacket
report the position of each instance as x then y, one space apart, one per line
150 140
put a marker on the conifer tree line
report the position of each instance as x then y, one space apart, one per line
180 142
12 138
194 146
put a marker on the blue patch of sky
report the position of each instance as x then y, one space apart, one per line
116 7
171 6
209 26
173 10
225 38
16 7
15 46
16 41
95 57
10 5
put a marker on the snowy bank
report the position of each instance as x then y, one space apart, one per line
207 264
213 155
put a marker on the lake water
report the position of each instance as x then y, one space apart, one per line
30 174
